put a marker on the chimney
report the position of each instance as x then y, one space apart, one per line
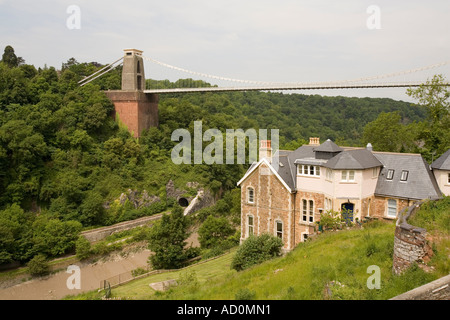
314 141
265 150
369 147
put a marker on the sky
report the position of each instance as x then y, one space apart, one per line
258 40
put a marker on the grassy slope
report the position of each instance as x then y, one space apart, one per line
342 257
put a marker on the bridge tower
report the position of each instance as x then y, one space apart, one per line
133 108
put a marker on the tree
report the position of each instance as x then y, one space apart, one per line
9 57
167 240
214 231
387 133
434 97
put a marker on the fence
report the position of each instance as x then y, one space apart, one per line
128 276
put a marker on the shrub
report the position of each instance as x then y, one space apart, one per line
82 248
255 250
244 294
38 266
330 220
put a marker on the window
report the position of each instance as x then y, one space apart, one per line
328 204
279 230
329 174
251 195
392 208
390 174
307 210
307 170
374 172
348 175
305 237
304 209
311 211
250 225
404 175
448 179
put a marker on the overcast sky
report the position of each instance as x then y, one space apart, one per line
261 40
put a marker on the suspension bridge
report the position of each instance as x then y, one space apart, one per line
136 104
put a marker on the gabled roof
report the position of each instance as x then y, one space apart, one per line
353 159
254 166
328 146
420 184
443 162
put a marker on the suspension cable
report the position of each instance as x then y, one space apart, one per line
93 74
389 75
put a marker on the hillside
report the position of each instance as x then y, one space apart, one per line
332 266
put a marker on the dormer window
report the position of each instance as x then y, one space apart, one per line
404 175
390 174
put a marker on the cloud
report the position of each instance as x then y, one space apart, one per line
288 40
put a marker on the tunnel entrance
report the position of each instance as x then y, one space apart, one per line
183 202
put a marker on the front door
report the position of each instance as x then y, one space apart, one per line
347 211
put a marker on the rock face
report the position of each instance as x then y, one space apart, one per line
202 199
138 199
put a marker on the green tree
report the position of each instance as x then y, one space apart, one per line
214 231
168 240
387 133
434 97
10 58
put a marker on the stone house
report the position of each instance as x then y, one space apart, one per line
286 193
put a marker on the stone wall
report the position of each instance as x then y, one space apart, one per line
436 290
410 243
101 233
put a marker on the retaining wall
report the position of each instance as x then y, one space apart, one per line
436 290
410 243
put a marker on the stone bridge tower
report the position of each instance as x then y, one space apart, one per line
133 108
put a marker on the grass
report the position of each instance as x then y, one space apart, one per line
333 266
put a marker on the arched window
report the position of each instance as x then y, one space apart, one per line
250 195
279 229
250 225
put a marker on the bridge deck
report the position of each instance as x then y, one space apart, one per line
287 87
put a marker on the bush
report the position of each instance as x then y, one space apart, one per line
38 266
244 294
330 220
255 250
82 248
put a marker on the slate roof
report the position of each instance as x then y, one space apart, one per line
420 184
328 146
353 159
443 162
